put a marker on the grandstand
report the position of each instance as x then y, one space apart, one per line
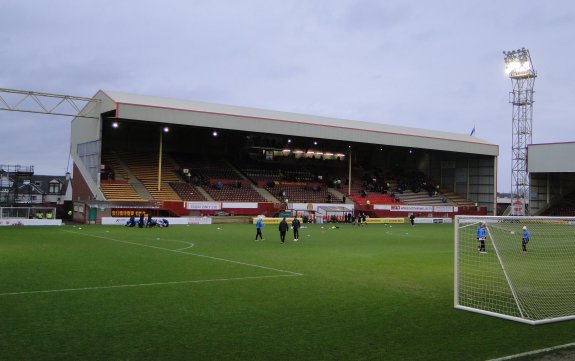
226 154
552 179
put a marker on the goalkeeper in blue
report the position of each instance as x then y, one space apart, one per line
481 236
525 239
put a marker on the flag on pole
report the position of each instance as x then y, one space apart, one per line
472 131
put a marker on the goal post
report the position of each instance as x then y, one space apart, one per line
524 271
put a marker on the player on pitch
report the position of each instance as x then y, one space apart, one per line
481 236
525 239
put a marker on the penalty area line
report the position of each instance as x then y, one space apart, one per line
534 352
144 285
188 253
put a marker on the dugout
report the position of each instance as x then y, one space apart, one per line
459 163
329 213
552 178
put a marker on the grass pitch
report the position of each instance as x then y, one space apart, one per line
212 293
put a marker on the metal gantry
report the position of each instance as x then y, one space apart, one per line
46 103
520 70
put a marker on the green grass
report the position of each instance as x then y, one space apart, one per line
368 293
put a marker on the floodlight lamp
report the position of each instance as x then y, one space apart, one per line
115 125
289 141
525 65
214 133
315 142
166 129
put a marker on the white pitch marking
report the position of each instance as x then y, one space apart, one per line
188 253
181 249
190 244
534 352
142 285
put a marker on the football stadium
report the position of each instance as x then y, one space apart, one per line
157 256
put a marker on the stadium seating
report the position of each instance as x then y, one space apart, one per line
456 199
231 193
187 192
144 167
113 164
374 198
119 191
277 171
563 207
423 198
303 193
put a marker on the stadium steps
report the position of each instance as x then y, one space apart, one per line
235 169
166 193
140 189
264 193
458 200
188 192
423 198
113 161
338 195
120 192
205 194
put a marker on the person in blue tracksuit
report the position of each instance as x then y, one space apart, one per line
525 239
259 226
481 236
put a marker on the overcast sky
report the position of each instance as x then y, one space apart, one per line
427 64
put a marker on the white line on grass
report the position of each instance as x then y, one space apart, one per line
535 352
188 253
144 285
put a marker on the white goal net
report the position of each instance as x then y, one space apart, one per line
529 281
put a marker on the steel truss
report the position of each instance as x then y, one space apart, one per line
46 103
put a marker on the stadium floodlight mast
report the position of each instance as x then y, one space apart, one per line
519 68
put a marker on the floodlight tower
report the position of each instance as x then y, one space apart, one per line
519 68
